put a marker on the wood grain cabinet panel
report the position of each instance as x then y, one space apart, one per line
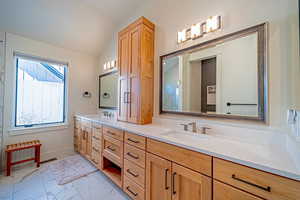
112 149
135 155
113 132
89 143
136 55
133 190
134 172
196 161
158 178
226 192
190 185
263 184
77 139
123 60
135 140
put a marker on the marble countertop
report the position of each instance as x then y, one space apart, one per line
275 159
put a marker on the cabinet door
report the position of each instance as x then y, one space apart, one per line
89 143
83 141
158 178
76 139
123 99
123 61
134 68
226 192
191 185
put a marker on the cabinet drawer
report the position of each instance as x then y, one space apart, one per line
190 159
113 150
135 140
96 144
114 133
95 158
135 155
134 172
263 184
133 190
226 192
97 133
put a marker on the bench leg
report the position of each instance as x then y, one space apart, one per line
8 163
37 155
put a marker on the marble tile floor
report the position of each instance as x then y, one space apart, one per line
39 186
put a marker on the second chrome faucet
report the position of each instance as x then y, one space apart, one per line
194 127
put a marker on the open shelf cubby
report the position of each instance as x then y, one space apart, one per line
113 171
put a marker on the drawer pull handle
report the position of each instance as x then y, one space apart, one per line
132 156
133 174
133 193
134 141
109 132
95 149
110 148
166 179
96 138
173 182
268 189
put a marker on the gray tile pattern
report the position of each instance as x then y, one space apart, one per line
40 186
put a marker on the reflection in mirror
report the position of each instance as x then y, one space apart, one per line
108 94
223 78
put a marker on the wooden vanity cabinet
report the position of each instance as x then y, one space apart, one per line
77 130
85 139
96 145
134 166
136 62
226 192
112 154
262 184
167 180
158 178
149 169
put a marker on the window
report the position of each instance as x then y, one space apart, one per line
40 92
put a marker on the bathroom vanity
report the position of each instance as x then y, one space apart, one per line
155 162
222 78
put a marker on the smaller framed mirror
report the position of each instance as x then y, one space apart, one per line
108 90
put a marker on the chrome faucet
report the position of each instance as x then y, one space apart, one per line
203 129
185 127
194 126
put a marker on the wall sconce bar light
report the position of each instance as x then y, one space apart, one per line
198 30
110 65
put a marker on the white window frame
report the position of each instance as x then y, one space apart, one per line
14 130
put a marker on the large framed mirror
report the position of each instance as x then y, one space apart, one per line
108 90
225 77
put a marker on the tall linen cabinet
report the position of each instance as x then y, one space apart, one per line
136 63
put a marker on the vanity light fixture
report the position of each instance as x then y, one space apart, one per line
110 65
213 24
198 30
182 36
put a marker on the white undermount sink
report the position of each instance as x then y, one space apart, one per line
184 135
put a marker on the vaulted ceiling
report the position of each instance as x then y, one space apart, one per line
81 25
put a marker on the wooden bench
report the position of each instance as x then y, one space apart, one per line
19 147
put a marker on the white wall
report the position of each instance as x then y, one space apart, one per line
82 77
171 16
